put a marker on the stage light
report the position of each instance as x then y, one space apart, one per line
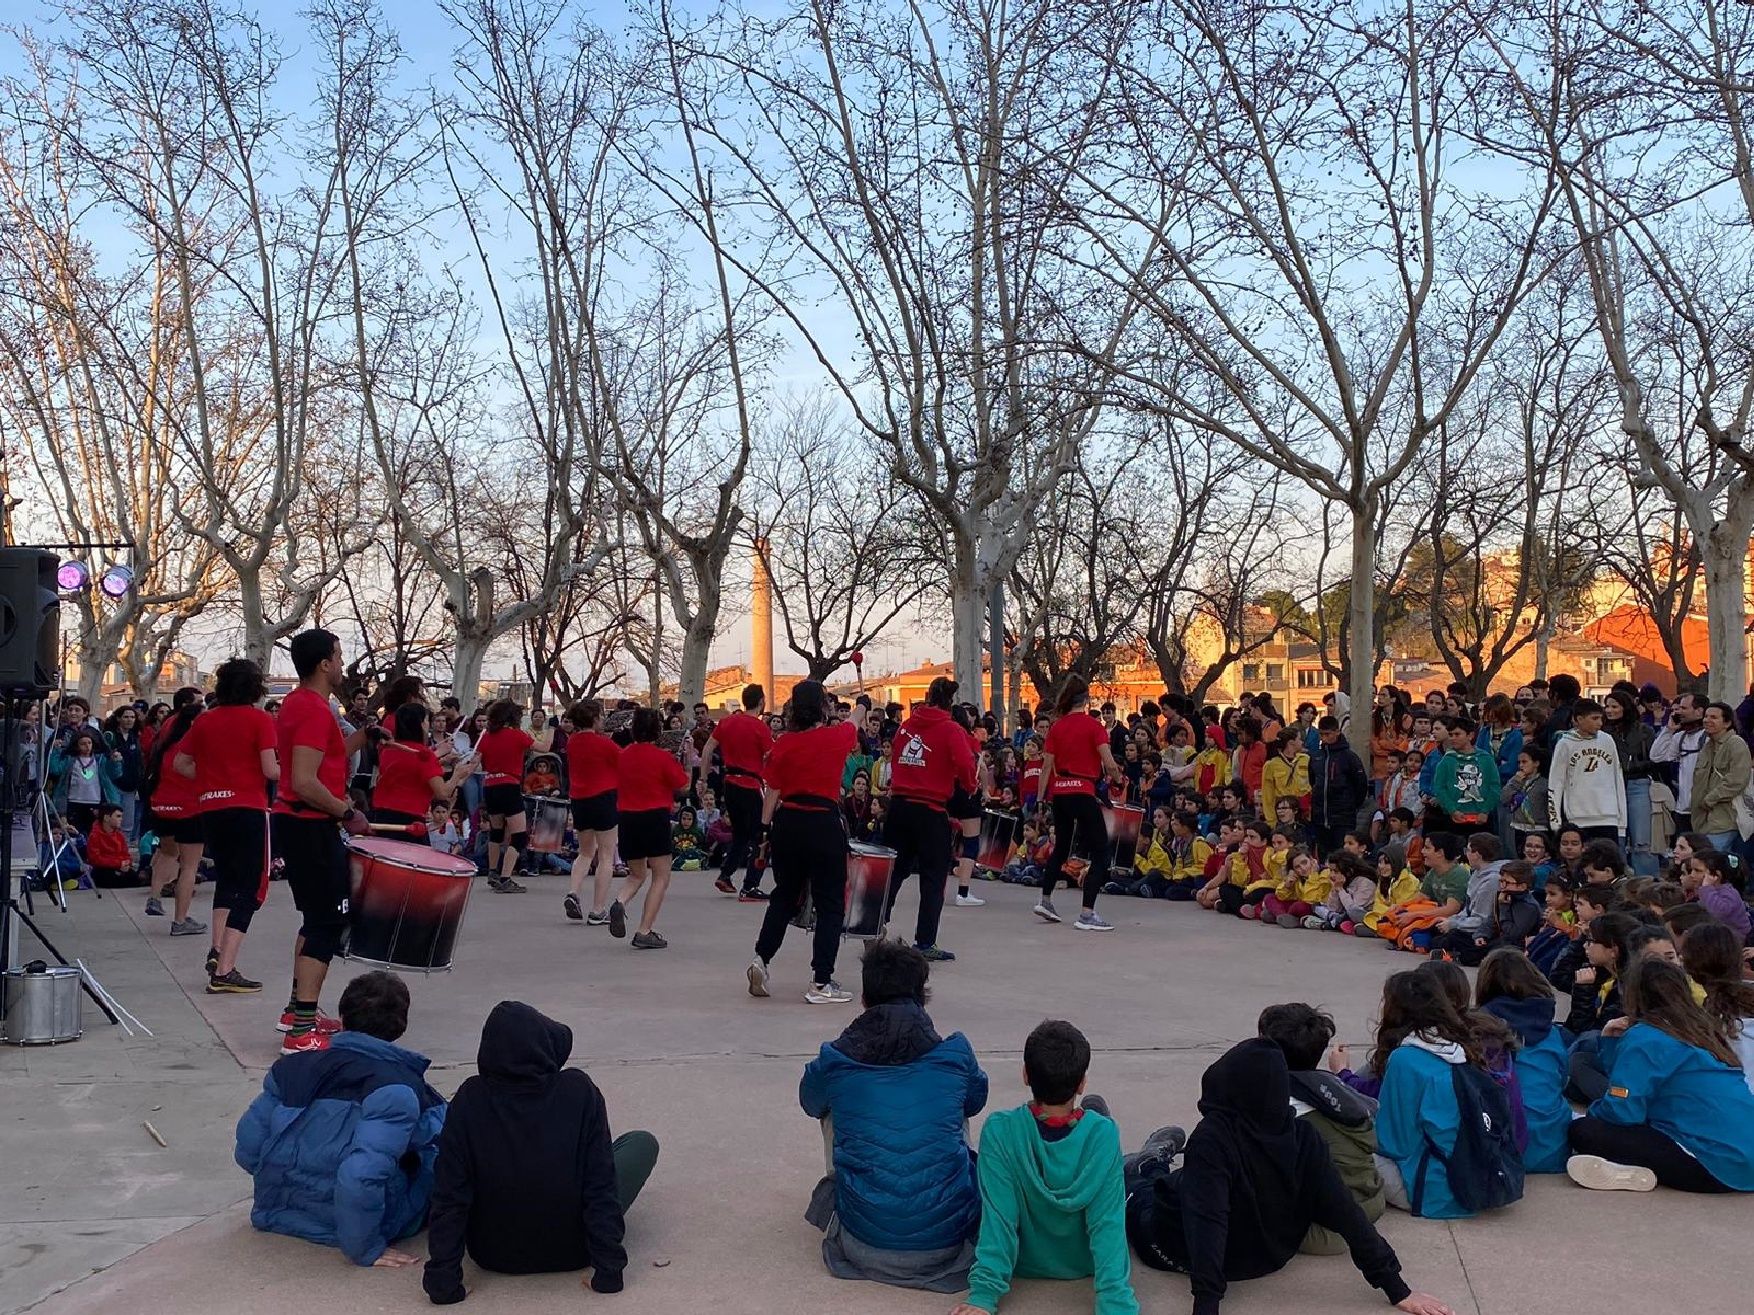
72 577
116 581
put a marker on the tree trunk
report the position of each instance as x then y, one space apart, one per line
1543 640
466 669
1726 609
968 613
696 640
258 644
1361 625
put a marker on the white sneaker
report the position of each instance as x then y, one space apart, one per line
1600 1175
758 979
1091 920
828 993
1045 909
969 902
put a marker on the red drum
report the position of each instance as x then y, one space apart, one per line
547 819
1124 822
998 834
408 904
868 869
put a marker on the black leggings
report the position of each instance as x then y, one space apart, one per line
237 841
743 811
1078 818
920 837
809 850
1643 1145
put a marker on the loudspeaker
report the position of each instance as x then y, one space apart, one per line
30 623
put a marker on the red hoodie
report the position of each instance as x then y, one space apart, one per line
931 757
106 849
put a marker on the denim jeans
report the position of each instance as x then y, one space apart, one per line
1644 863
1723 841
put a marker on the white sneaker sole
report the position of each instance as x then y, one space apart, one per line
1093 926
969 903
1600 1175
815 999
757 982
1046 915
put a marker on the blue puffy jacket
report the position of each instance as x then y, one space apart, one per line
341 1145
1542 1068
899 1097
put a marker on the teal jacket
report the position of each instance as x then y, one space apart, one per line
1051 1210
1687 1094
1418 1105
62 765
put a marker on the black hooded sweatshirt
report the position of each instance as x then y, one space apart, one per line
1254 1178
524 1171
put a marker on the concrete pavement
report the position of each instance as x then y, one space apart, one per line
100 1219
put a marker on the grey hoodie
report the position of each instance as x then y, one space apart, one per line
1479 910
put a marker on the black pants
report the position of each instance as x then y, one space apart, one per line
1153 1215
809 851
1586 1079
1601 833
1078 826
1643 1145
1329 837
920 837
237 840
743 810
1232 898
80 816
1459 945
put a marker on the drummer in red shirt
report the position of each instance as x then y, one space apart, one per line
932 758
647 782
501 750
743 740
593 772
410 776
1075 756
808 841
310 809
230 753
172 816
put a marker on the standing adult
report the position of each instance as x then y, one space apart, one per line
1584 784
1074 757
231 753
966 808
1720 777
1633 739
502 749
932 758
1338 786
742 740
310 809
172 816
1679 742
410 775
1564 694
807 840
122 734
593 774
648 780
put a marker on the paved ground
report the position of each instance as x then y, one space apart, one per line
97 1218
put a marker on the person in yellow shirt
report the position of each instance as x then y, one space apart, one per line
1189 854
1246 880
1286 775
1395 885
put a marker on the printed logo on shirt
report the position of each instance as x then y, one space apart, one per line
914 753
1620 1093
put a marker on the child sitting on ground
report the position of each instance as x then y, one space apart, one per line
1350 892
1052 1201
688 842
1149 878
442 831
1295 898
106 850
1345 1119
1442 893
1024 867
1716 883
1558 928
1189 854
894 1098
1514 917
1511 989
1395 885
1712 956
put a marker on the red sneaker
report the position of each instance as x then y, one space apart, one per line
325 1025
300 1043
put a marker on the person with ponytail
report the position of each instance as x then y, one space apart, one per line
1712 955
173 815
932 758
807 839
1075 756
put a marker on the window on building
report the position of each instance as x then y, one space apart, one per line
1275 673
1308 678
1251 673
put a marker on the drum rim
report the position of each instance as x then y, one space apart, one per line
860 847
464 867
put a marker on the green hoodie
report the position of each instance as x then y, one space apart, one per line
1051 1210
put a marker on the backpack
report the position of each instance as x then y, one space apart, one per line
1485 1169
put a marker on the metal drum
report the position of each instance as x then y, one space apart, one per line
547 818
1124 822
998 834
408 904
868 870
42 1004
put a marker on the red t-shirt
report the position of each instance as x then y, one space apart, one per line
592 764
405 773
175 794
226 743
307 722
744 742
811 762
649 779
502 755
1076 742
1031 779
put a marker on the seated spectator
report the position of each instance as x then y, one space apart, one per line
1443 892
1511 989
1714 880
1345 1118
341 1142
899 1204
1558 929
106 850
688 842
1712 955
442 831
1052 1204
1253 1181
1677 1111
528 1180
1513 918
1349 893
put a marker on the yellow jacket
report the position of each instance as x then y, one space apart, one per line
1194 865
1153 859
1401 889
1211 769
1272 870
1314 890
1283 780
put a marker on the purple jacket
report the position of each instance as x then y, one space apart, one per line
1725 904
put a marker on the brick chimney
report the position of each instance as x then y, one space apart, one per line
761 624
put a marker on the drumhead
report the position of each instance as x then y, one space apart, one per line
422 858
870 851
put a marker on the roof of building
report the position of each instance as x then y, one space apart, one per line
1632 631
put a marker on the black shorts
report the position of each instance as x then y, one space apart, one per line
502 800
310 852
594 812
184 830
645 834
393 817
963 805
237 842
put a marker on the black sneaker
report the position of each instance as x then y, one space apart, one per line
505 886
573 910
212 961
233 983
1097 1103
649 940
752 895
725 885
932 954
617 920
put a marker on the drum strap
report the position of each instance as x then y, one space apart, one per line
811 803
